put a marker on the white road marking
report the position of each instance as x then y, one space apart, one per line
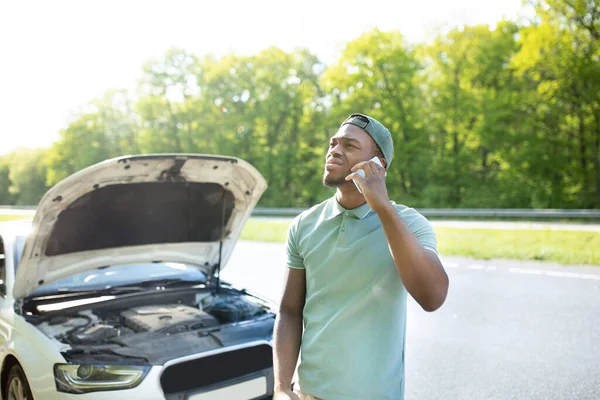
476 266
559 274
526 271
482 267
573 275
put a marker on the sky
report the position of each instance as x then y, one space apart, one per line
55 56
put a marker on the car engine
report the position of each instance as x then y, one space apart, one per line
169 318
99 327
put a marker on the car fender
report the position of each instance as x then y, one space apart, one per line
35 352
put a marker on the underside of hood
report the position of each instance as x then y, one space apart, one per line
145 213
166 207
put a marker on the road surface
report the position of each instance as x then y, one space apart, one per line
508 330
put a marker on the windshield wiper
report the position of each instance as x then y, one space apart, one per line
63 293
159 284
115 289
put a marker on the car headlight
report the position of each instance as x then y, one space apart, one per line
83 378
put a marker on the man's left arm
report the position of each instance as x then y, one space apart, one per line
420 269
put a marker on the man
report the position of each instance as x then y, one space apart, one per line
351 261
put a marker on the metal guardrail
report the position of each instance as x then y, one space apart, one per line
427 212
511 213
277 212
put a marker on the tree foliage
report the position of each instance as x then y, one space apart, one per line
504 116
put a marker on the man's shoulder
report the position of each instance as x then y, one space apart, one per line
409 214
419 226
401 208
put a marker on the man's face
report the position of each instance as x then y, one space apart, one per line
348 147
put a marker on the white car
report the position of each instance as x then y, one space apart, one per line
113 292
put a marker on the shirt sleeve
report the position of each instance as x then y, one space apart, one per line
421 228
294 259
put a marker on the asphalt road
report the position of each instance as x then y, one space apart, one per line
508 330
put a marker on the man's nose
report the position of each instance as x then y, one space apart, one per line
336 150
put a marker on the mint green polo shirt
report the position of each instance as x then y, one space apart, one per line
355 310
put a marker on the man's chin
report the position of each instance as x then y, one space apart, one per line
334 181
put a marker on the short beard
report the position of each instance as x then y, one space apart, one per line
334 182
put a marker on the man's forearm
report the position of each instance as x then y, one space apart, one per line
287 338
420 270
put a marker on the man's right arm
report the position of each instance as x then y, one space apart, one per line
288 332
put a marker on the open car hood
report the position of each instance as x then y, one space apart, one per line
164 207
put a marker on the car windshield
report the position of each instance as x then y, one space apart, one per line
19 245
124 275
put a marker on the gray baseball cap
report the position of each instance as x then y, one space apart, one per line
380 134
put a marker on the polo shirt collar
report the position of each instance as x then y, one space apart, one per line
359 212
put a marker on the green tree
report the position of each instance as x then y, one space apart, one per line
27 174
168 104
268 114
6 197
560 58
101 129
507 116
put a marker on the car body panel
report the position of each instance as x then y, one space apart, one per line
108 214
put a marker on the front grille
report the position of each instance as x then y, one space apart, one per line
194 375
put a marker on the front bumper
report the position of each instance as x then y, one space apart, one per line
243 372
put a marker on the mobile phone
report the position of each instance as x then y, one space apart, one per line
362 172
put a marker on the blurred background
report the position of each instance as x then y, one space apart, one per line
491 103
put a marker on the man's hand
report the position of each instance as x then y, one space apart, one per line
372 185
285 395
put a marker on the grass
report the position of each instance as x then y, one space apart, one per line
10 217
265 231
564 247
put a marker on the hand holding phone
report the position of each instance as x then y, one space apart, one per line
362 172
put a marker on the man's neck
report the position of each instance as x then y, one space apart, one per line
349 197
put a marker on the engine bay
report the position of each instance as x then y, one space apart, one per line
159 331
